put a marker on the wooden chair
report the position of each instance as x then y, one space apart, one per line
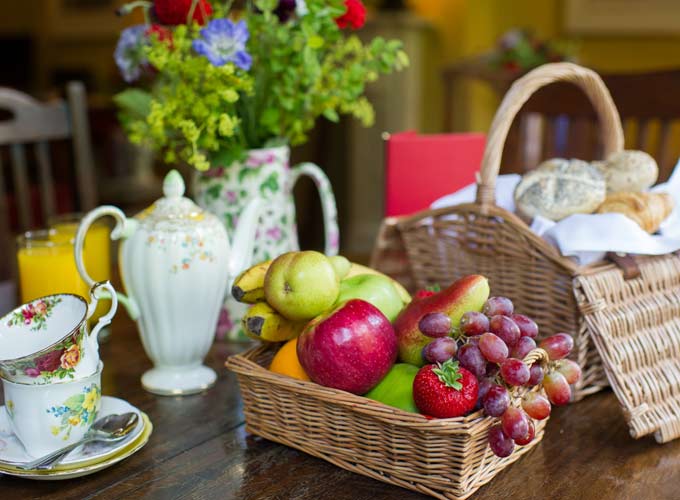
559 121
27 133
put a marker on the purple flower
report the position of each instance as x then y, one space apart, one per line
232 197
224 41
32 372
128 54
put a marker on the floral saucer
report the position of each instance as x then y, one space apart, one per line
81 461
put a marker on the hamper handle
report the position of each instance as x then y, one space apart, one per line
520 92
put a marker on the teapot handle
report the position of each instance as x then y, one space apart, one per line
124 228
330 211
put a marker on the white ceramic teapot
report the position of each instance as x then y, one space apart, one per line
176 264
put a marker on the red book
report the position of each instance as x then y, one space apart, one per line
423 168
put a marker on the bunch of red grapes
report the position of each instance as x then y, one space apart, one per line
491 344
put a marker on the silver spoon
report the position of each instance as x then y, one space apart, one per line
108 429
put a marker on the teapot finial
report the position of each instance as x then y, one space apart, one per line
173 185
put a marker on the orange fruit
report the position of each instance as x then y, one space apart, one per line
286 361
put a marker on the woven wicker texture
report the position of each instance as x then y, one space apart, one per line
636 327
444 458
481 238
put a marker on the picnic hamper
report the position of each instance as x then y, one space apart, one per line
448 459
624 316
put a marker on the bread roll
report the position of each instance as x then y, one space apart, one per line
558 188
649 210
629 171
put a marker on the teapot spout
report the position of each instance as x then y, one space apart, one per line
244 237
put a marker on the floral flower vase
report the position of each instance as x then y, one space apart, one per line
266 173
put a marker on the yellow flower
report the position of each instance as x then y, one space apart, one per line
55 430
71 357
90 400
73 421
10 405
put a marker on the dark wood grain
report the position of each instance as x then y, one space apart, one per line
200 449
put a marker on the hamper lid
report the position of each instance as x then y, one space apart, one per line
635 325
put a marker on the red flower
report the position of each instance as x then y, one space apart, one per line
50 361
354 16
175 12
161 32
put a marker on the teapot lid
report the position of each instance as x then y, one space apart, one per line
173 210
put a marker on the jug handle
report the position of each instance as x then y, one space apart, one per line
91 308
330 211
124 228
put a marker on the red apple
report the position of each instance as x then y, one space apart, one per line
350 348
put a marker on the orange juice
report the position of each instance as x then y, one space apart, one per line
47 266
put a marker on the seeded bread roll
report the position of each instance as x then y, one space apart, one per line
649 210
559 188
628 171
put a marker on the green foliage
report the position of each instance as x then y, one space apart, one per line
302 69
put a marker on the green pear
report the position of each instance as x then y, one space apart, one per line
341 264
373 288
301 285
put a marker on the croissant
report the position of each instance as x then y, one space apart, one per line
649 210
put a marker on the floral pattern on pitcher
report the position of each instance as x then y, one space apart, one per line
226 189
35 313
78 410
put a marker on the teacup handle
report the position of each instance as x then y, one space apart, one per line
330 211
106 319
124 228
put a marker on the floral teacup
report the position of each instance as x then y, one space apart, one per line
48 417
47 340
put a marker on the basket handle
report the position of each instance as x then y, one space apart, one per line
520 92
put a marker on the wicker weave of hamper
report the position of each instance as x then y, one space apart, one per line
483 238
626 329
448 459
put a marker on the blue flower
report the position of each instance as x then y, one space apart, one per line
224 41
128 54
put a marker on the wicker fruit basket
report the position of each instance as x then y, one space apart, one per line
444 458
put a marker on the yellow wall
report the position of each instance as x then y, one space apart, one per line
469 27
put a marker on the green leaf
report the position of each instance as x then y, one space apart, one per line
448 374
266 5
134 101
331 115
214 191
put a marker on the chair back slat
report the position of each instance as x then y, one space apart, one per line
664 153
6 258
82 147
49 204
22 190
31 120
643 134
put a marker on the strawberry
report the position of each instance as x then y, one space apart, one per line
445 390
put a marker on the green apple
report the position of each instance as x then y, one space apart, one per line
373 288
301 285
341 264
396 389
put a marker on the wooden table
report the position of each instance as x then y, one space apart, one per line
199 449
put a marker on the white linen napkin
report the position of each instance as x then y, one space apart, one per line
587 237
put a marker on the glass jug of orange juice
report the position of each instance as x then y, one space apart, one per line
47 265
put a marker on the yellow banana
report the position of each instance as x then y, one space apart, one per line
359 269
262 322
249 285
